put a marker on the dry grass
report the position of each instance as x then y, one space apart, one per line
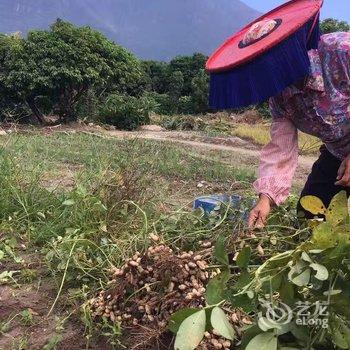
260 135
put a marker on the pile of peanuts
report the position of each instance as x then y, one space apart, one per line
150 287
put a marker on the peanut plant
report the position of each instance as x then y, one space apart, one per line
297 299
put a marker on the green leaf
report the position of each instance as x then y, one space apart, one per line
302 279
323 236
250 294
322 273
243 257
221 324
264 341
300 332
242 301
266 325
68 202
178 317
220 251
5 276
248 333
297 268
306 257
332 292
316 251
273 284
287 292
191 332
343 234
284 329
313 204
339 339
338 210
2 254
216 287
345 330
244 279
280 328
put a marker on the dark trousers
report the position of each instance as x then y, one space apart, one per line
320 182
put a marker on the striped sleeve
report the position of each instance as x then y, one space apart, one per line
278 161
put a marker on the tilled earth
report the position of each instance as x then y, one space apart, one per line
24 320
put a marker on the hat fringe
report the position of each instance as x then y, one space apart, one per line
268 74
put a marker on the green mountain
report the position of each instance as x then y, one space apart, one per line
152 29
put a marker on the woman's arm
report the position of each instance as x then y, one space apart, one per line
278 162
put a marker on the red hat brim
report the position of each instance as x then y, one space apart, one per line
293 15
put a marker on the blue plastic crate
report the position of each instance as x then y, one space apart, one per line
209 203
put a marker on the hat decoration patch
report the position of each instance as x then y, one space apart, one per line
259 31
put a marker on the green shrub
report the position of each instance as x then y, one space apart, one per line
165 104
264 110
183 122
185 105
88 108
127 112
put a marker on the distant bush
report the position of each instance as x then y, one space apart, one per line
182 122
331 25
185 105
264 110
127 112
165 105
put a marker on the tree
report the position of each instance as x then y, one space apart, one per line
157 76
69 60
331 25
127 112
176 83
14 83
189 66
200 91
62 65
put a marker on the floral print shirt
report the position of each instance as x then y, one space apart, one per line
320 107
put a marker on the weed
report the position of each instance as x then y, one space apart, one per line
27 317
20 344
53 342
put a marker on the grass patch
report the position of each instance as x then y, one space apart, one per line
116 188
92 155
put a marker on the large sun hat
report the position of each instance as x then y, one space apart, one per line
266 56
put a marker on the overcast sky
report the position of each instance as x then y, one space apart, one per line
339 9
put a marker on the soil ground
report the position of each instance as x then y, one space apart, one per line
36 330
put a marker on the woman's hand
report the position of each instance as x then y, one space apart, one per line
344 173
259 214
